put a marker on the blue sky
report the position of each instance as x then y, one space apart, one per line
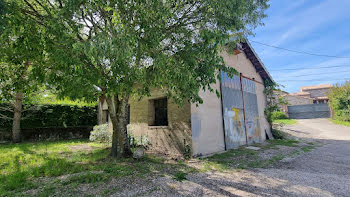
315 26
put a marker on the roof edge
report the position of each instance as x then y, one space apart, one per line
259 61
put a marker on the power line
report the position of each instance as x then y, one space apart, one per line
319 73
300 52
316 80
310 68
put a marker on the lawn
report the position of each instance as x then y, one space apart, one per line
345 123
24 166
285 121
64 167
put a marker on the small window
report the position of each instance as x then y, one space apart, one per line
158 112
105 116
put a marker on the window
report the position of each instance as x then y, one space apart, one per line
105 116
158 112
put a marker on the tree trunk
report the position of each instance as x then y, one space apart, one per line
17 113
118 114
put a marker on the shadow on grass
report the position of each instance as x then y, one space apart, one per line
82 167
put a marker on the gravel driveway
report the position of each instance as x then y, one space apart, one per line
325 171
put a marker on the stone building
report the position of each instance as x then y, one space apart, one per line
318 93
219 124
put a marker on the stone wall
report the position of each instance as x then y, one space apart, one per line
170 140
317 92
297 100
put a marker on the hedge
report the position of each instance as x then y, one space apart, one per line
53 116
277 115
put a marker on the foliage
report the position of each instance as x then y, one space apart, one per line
21 49
278 115
345 123
339 99
45 96
101 133
180 176
139 141
274 100
188 152
54 116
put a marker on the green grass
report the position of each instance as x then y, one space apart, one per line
180 176
345 123
307 148
285 142
22 164
285 121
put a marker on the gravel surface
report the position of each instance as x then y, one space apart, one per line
324 171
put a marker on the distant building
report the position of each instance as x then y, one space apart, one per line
318 93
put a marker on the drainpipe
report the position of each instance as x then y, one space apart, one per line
222 111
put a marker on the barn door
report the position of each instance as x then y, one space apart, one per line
232 106
251 111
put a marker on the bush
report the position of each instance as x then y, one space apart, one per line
101 133
277 115
339 99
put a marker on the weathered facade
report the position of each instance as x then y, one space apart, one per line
237 118
171 137
225 123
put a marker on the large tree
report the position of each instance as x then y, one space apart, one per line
121 48
20 48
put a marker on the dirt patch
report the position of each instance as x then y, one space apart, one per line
82 147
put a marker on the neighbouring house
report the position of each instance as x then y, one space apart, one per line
318 93
291 100
220 123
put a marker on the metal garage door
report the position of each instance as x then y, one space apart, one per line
233 111
251 111
320 110
241 122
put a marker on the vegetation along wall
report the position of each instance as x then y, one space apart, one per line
52 121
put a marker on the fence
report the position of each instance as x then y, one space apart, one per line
309 111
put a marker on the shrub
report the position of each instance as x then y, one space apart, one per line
101 133
277 115
180 176
139 141
339 98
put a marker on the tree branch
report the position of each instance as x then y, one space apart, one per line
2 116
6 109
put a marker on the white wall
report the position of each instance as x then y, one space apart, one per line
207 124
206 119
